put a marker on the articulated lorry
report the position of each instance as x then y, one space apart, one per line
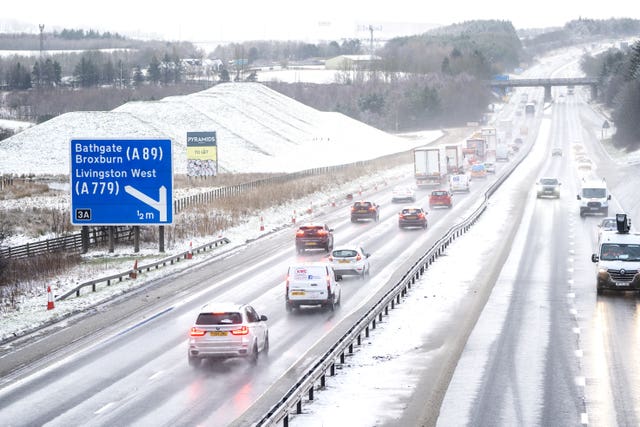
429 166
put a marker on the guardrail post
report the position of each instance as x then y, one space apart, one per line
393 305
299 407
359 340
332 370
322 381
342 358
311 392
398 299
351 348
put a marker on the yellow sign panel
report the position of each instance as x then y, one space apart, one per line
202 153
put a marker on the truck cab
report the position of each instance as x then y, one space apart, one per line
594 197
618 258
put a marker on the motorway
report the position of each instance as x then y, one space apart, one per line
126 363
564 355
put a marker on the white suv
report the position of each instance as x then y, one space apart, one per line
312 283
226 330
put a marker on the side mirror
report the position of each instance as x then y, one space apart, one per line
367 255
594 258
609 197
578 197
331 229
263 318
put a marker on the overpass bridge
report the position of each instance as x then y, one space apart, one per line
549 83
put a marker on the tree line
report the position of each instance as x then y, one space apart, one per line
618 74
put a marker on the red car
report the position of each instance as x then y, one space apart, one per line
440 198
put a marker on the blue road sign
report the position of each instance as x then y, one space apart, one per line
121 182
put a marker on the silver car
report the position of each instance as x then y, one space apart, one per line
228 330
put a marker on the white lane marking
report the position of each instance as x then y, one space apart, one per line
104 408
576 331
581 381
579 353
571 295
584 418
157 374
574 312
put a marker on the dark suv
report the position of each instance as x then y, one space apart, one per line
314 236
365 210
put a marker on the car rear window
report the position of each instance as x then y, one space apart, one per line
345 253
411 211
308 272
311 227
549 181
363 205
230 318
438 193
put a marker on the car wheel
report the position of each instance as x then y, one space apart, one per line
265 349
331 305
194 362
425 225
353 220
600 290
300 250
288 307
253 359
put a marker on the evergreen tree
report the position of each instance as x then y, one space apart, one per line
154 70
224 75
138 77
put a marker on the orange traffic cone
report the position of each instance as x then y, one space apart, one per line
50 305
333 203
134 273
293 218
190 253
261 224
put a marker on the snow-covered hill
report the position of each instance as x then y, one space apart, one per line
258 129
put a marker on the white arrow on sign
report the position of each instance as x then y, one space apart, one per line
160 205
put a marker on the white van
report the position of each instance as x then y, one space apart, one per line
312 283
618 258
594 197
459 183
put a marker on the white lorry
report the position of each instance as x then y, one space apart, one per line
429 166
618 258
594 197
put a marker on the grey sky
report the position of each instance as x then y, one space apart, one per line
200 20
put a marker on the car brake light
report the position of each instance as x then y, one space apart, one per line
322 232
420 215
195 332
331 258
358 258
372 209
242 331
300 233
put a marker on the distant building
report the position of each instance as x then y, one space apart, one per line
351 62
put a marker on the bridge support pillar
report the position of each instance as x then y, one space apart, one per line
547 94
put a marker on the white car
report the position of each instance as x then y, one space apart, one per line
312 284
227 330
350 260
490 167
403 193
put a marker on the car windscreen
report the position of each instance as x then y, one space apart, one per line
594 193
620 252
228 318
344 253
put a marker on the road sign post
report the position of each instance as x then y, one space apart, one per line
121 182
